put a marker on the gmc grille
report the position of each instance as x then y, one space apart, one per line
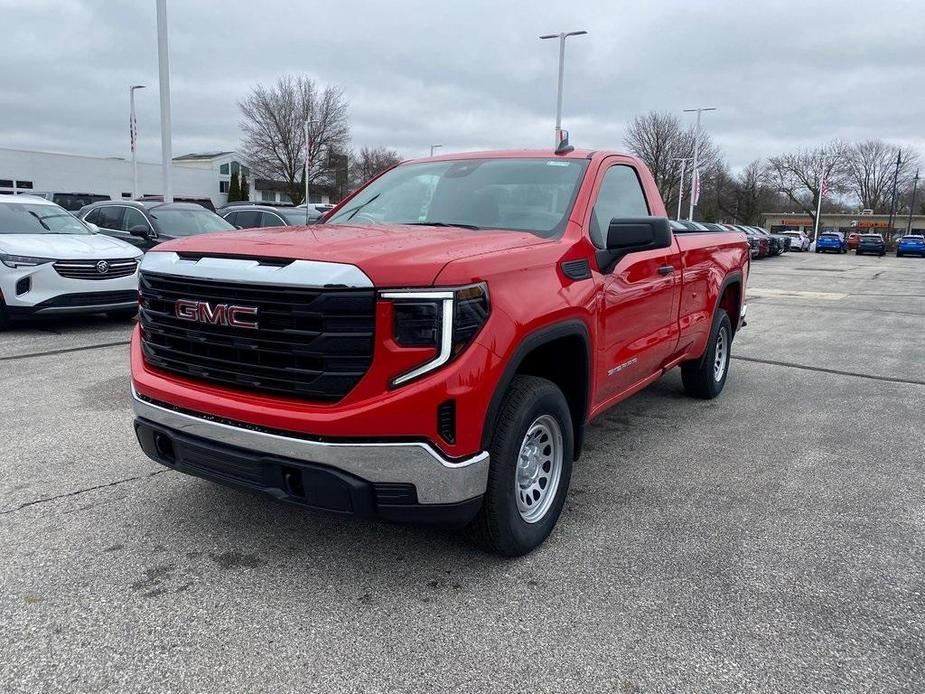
89 270
311 344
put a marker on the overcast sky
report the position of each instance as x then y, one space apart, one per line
469 74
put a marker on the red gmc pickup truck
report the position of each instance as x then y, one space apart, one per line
433 350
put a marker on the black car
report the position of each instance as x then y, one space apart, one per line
870 243
146 224
779 242
253 216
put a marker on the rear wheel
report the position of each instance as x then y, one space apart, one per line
705 377
531 464
4 316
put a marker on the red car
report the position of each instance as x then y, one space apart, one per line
435 349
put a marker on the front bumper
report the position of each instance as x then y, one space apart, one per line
401 480
40 290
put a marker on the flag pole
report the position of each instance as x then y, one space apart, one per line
819 202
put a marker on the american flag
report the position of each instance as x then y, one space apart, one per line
823 186
132 130
695 186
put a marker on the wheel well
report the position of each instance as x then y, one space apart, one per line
564 361
731 302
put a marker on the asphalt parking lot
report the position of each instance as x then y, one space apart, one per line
770 540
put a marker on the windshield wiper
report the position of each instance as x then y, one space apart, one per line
441 224
41 221
360 207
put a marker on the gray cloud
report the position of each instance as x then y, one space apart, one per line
469 75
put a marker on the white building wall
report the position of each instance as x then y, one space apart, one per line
71 173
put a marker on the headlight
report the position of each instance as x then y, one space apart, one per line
446 319
23 260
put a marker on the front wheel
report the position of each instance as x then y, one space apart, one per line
705 377
531 464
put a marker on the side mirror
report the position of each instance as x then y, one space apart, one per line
95 229
626 236
142 232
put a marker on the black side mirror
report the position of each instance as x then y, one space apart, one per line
142 231
626 236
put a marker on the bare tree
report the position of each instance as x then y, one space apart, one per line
369 162
798 174
871 166
273 121
744 197
659 140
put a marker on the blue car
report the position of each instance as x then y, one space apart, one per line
911 244
832 241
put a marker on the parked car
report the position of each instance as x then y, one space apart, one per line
853 241
831 241
70 201
254 216
146 224
779 243
798 240
52 263
762 243
228 206
911 244
203 202
434 351
871 243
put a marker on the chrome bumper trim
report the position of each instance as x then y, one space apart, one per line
298 273
437 480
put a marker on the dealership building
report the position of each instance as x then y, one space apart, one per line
197 175
846 223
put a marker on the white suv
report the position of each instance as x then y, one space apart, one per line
52 263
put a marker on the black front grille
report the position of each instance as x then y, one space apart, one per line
313 344
96 269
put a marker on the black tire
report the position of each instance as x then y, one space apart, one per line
499 526
818 251
898 254
122 314
699 376
4 316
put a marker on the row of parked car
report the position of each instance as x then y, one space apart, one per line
54 261
762 242
869 244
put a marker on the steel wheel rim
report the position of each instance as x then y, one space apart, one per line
719 355
539 468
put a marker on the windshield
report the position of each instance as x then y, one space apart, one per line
871 237
23 218
297 216
791 234
913 238
189 222
830 237
532 195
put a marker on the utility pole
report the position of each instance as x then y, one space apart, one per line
683 161
695 169
915 185
133 134
164 86
433 147
899 161
561 36
308 149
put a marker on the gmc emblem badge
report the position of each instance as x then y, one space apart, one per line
217 314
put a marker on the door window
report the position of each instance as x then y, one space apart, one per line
620 196
110 217
133 218
248 219
268 219
231 218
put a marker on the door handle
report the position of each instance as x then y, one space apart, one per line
666 269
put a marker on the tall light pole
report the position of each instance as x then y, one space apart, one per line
683 161
915 186
433 147
899 162
695 169
133 134
164 87
561 36
308 153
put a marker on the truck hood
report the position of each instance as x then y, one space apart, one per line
390 255
67 246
